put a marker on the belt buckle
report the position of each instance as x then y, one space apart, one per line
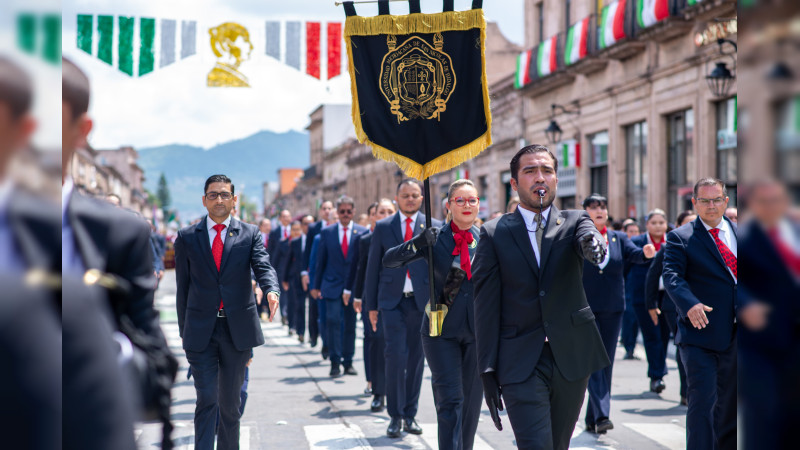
221 313
408 294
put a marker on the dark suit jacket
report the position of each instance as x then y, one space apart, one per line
653 296
517 302
358 270
201 286
460 314
116 241
280 258
275 238
694 272
605 288
384 286
332 267
637 273
34 225
293 263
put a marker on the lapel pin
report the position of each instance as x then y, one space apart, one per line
231 233
422 225
613 239
558 221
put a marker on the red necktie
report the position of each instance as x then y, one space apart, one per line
344 242
789 257
285 232
216 249
463 238
409 234
727 254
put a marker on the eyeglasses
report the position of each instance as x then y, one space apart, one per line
707 201
345 211
461 201
222 195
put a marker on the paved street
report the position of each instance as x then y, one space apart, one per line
293 404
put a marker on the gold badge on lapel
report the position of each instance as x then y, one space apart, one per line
613 239
231 233
422 225
558 221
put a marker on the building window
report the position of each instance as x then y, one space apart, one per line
680 129
598 165
726 146
540 20
636 176
787 157
567 7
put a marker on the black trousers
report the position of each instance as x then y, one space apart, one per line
377 360
711 419
218 373
544 408
404 358
457 389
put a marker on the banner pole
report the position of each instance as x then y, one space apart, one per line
427 199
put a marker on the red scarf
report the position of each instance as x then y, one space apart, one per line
604 232
657 245
463 238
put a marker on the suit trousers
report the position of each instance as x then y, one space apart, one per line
218 373
711 419
630 327
670 317
322 320
457 389
404 359
599 404
377 361
544 408
369 337
298 305
313 320
284 303
340 323
654 337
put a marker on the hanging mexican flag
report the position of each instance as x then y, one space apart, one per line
577 42
650 12
612 24
523 74
546 62
570 153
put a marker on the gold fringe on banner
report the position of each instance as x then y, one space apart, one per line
420 23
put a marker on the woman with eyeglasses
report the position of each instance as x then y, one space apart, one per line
604 285
452 356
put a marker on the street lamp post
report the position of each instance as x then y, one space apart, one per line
721 78
553 131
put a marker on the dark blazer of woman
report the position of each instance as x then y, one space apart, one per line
460 314
605 288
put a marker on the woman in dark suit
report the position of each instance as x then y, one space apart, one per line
452 357
605 291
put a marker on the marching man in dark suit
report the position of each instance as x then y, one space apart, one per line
217 314
400 295
279 234
700 276
333 264
536 336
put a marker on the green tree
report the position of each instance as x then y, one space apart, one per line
163 193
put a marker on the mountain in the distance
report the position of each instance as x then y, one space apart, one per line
249 162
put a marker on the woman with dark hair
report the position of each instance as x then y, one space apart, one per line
452 356
659 304
605 291
656 227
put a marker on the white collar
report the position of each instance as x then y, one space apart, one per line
5 193
723 225
413 217
66 193
348 227
529 215
210 222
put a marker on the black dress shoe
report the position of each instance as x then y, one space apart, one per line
603 425
367 391
630 356
684 401
313 342
410 426
393 431
324 352
349 370
335 372
590 428
377 403
657 385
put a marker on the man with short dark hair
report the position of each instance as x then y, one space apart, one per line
536 336
399 295
333 265
217 315
700 276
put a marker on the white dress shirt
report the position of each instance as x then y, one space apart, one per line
727 238
349 228
212 233
407 287
530 224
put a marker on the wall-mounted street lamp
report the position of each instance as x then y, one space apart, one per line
553 131
721 78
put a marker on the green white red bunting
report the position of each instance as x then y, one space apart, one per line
523 74
570 153
577 38
612 24
546 62
650 12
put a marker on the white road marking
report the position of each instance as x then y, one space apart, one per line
667 434
336 436
430 434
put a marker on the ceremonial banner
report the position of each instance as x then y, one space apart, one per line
420 96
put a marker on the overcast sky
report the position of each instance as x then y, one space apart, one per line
173 104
